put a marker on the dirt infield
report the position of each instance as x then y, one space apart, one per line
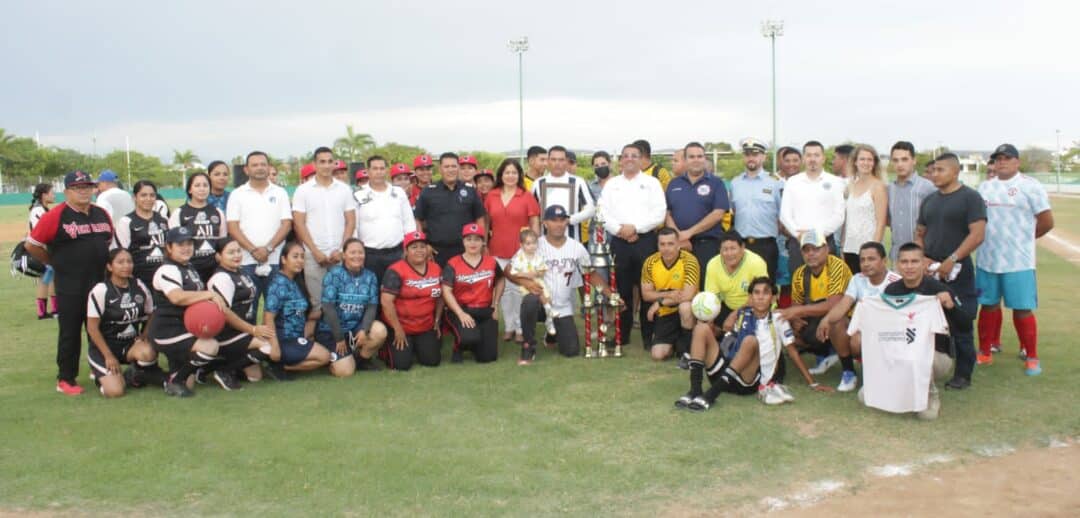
1062 244
12 232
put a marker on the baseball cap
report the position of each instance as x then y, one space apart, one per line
107 176
178 235
306 171
361 174
485 172
422 161
751 144
571 157
399 168
555 212
413 237
77 178
813 237
471 229
467 159
341 165
1008 150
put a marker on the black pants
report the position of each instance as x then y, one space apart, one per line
705 248
482 339
71 305
766 248
444 252
566 334
963 332
424 348
379 259
795 259
629 258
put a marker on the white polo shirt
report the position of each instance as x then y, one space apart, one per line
325 207
638 201
809 204
383 217
259 215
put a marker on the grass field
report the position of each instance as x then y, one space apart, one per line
563 436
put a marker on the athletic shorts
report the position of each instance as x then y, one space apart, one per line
809 337
327 338
667 329
97 360
295 350
1017 288
739 387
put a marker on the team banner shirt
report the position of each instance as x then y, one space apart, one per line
898 349
1011 207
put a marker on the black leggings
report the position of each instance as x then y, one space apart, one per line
482 339
424 348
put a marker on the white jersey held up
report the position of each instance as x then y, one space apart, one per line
898 349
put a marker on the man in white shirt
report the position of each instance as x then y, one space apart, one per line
559 187
259 218
874 275
383 216
324 216
632 206
812 199
116 201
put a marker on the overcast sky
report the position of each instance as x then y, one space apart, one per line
224 77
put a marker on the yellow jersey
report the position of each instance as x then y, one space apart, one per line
683 272
731 287
660 173
833 280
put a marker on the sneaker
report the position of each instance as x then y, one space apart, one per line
134 378
699 404
178 389
457 356
984 359
153 375
277 371
1032 367
824 364
848 382
367 364
550 342
226 380
767 394
684 401
783 392
995 348
958 383
68 389
933 406
684 362
528 354
201 375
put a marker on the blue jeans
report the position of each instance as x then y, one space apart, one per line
260 282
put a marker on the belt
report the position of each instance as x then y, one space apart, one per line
752 240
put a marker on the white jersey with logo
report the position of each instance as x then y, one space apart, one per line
860 286
563 276
569 191
1011 207
898 349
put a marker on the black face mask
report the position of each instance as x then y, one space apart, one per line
602 171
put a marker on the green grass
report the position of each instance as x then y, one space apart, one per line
563 436
1066 213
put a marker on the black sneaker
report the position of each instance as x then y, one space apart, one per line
550 341
226 380
699 404
528 354
134 378
152 375
277 371
367 364
457 356
685 400
958 383
684 362
178 389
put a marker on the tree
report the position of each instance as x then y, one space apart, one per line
353 146
1037 160
394 152
185 160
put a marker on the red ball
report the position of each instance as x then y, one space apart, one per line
204 319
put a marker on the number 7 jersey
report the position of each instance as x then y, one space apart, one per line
563 275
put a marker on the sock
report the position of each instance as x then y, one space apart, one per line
1028 333
848 363
41 310
726 378
682 344
145 365
257 356
697 372
52 302
989 329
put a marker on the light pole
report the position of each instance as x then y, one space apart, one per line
771 29
1058 132
519 47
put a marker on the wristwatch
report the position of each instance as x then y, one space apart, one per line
954 258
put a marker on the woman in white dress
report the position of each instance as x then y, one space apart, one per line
867 203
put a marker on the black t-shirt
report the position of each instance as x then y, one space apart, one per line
207 226
78 244
445 210
959 320
946 218
145 239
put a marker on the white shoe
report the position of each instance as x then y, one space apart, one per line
933 406
783 391
848 382
824 365
767 394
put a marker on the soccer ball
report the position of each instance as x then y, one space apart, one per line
204 319
706 306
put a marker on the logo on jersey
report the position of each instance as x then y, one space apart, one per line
704 190
422 284
475 277
1012 191
910 335
463 193
827 186
74 230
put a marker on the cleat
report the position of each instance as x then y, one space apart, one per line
848 382
618 352
1032 367
177 389
277 371
699 404
984 359
134 378
226 381
824 364
995 348
589 353
684 401
68 389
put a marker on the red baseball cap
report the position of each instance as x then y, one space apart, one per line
422 161
361 174
485 172
399 168
413 237
341 165
467 159
306 171
472 229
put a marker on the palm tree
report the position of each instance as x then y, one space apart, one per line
186 160
353 145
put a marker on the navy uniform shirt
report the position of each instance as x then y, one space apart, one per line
689 202
444 210
756 200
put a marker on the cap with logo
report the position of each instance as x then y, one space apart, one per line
341 166
306 171
413 237
108 176
399 169
467 160
361 174
555 212
753 145
1008 150
813 237
78 178
422 161
178 235
472 229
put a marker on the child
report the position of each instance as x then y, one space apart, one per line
528 263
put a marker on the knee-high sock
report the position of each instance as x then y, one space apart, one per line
1028 332
989 329
697 372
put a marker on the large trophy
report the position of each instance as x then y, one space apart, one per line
601 311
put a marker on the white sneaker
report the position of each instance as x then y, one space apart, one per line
551 328
784 392
933 406
824 364
848 382
767 394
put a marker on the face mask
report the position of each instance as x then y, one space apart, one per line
602 171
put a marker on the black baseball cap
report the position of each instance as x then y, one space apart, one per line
1008 150
178 235
555 212
78 178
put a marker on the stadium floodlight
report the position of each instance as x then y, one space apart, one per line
772 29
519 47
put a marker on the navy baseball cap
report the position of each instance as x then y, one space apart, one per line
107 176
178 235
78 178
555 212
1008 150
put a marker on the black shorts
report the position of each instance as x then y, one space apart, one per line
326 338
809 337
97 360
739 387
295 350
724 313
667 329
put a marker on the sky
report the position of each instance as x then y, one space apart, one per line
225 77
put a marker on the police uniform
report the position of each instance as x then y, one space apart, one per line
689 202
145 239
473 287
444 210
416 294
121 312
756 203
207 225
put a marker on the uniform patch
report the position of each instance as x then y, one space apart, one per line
767 191
704 190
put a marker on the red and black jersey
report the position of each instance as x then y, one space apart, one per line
78 242
472 285
417 293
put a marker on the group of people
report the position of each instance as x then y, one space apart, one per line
387 267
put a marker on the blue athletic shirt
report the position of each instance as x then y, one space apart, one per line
289 306
350 293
